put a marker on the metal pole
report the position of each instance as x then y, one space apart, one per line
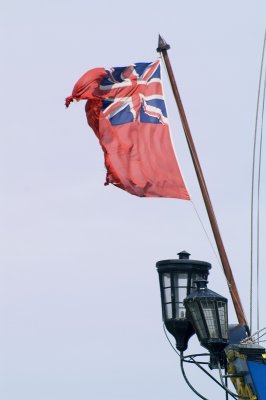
226 381
162 48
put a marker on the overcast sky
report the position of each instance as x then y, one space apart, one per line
80 302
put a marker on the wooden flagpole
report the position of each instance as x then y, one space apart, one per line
162 48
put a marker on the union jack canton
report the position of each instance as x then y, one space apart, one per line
134 94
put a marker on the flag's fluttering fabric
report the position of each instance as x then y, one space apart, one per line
126 109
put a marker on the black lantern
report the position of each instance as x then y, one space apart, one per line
177 281
207 312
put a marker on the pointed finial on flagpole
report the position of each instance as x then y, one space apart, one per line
162 45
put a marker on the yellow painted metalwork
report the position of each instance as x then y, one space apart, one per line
241 387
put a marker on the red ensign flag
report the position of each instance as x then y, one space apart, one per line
126 109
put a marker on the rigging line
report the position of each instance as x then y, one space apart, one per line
234 395
197 213
212 217
261 336
251 337
192 359
187 381
206 233
258 209
252 185
182 360
218 259
199 218
210 242
171 344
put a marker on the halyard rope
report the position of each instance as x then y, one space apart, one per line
258 193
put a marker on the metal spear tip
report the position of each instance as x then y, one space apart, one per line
162 45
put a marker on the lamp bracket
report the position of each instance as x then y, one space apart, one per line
191 359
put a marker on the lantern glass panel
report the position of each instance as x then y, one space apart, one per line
180 310
180 280
197 320
222 311
209 311
180 293
166 280
167 295
168 311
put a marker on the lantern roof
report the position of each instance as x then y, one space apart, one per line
182 263
202 292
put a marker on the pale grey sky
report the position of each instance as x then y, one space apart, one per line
80 304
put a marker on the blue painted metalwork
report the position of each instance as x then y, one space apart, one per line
258 374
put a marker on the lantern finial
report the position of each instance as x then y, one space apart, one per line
201 284
183 255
